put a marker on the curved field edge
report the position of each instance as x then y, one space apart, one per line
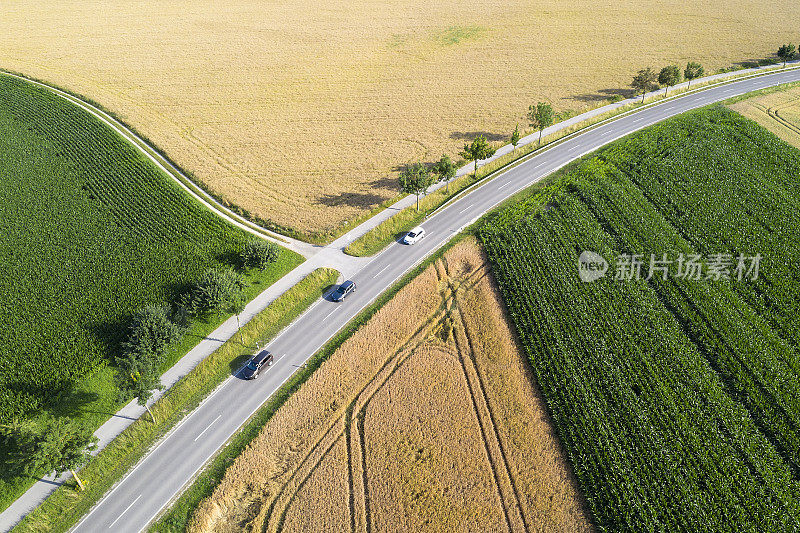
91 233
64 508
187 177
614 401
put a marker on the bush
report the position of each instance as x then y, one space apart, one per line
217 290
152 331
259 254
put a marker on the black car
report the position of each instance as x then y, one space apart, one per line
256 364
343 291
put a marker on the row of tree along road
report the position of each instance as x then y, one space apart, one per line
416 178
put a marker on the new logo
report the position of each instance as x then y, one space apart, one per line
591 266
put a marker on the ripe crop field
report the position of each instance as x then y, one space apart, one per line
299 112
778 111
437 427
90 231
678 401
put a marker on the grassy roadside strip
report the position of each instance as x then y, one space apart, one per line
390 229
66 506
101 384
178 515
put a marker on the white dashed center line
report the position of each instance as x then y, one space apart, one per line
378 273
207 427
125 511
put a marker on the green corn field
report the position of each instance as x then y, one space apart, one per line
677 400
90 231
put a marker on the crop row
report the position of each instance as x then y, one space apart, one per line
90 232
677 401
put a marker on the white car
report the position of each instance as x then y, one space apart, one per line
414 235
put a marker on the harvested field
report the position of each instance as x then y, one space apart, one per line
299 112
778 111
438 427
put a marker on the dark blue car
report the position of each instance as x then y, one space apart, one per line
256 364
343 291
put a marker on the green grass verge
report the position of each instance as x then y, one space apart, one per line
67 505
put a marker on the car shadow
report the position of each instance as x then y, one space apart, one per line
237 365
327 294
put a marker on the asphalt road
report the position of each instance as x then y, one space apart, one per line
147 489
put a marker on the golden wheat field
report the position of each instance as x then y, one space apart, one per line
778 111
298 111
437 427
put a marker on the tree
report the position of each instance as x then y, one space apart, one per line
445 169
669 77
541 116
259 254
478 149
693 71
55 445
644 81
787 53
237 308
216 290
515 137
151 332
415 179
138 378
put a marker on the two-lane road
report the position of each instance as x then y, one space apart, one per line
136 501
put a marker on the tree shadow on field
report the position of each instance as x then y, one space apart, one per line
351 199
388 182
110 334
70 401
58 398
471 135
230 258
605 94
757 62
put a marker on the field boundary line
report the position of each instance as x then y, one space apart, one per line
175 174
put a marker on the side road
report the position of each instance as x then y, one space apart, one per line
317 256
